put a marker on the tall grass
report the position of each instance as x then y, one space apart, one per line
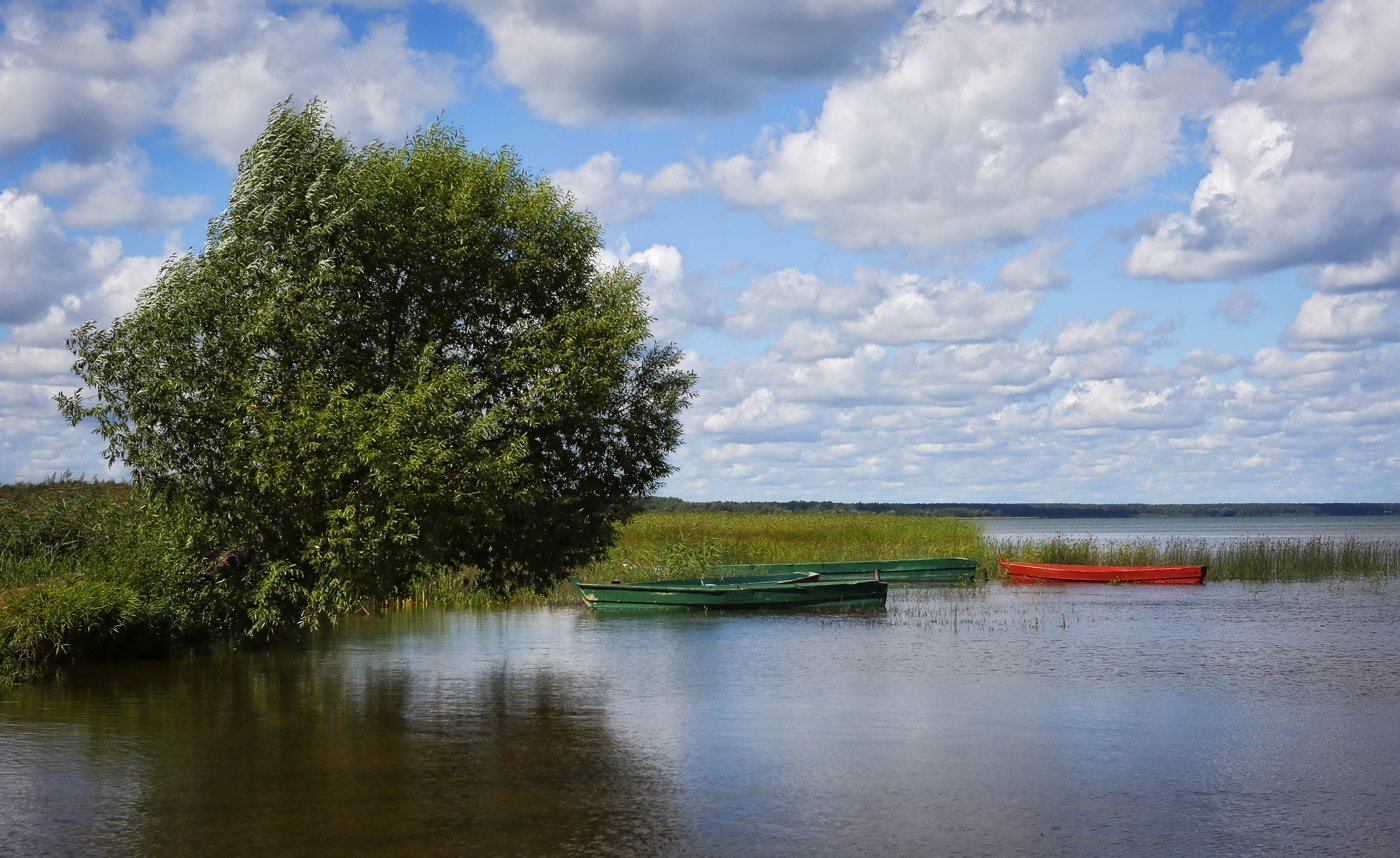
1252 559
661 545
87 570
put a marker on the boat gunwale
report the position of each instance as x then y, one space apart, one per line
1185 574
911 564
805 592
693 585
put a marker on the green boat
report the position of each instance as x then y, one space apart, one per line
802 590
927 570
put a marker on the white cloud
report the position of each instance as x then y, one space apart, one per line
1201 362
1311 372
584 61
762 414
1241 306
915 309
1344 322
108 193
84 280
805 340
1118 329
616 195
677 302
772 299
1035 269
39 263
29 363
881 307
1115 404
212 71
1304 169
827 411
969 129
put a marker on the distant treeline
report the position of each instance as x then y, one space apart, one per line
1028 510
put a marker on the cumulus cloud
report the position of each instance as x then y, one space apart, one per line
1304 169
1201 362
913 309
585 61
1116 404
887 308
1035 269
48 284
970 130
1344 322
96 77
677 302
772 299
827 410
616 195
1118 329
108 193
1010 420
763 414
39 263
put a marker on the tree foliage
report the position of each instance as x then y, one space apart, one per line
386 358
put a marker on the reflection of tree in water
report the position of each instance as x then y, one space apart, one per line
280 756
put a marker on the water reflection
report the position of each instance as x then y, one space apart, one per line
1225 719
291 756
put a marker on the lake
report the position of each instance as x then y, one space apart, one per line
1220 529
996 720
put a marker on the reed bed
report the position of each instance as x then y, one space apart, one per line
1255 559
662 545
87 571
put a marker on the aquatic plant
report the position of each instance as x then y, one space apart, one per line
1248 559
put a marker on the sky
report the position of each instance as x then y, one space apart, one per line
953 250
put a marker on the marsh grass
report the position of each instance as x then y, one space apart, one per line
86 571
1255 559
666 545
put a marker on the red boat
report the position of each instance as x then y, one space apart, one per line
1060 572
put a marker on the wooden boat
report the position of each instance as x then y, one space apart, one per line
1061 572
805 590
937 570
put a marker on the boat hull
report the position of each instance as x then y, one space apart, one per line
930 570
1062 573
734 592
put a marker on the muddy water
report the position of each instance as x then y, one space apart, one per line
1000 720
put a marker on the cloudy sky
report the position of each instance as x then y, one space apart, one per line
957 250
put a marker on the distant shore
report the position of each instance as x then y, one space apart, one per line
1030 510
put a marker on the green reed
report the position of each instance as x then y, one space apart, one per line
660 545
1249 559
86 570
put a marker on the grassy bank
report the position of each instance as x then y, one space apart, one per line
88 571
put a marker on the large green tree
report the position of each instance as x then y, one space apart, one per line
385 359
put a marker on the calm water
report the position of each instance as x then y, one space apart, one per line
1211 529
1218 720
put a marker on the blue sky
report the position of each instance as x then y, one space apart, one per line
958 250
